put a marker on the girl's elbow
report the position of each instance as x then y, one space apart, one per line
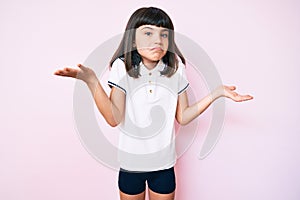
113 123
181 121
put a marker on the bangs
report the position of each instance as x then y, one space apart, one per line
154 16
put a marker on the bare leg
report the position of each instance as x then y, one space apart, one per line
157 196
140 196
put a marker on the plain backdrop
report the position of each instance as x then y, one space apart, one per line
254 45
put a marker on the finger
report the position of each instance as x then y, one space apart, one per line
248 97
64 70
58 72
231 87
69 70
245 97
81 66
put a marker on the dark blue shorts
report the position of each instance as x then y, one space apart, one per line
162 181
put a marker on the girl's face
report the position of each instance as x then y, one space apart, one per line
151 42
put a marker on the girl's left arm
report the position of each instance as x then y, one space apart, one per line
186 113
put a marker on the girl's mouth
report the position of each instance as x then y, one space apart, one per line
156 49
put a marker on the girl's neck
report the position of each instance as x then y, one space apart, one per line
150 64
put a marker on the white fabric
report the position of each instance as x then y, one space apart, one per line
147 142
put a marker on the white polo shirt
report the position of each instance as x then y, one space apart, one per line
147 140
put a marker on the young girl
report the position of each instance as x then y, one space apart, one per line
147 81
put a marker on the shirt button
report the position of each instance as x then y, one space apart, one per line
150 73
150 82
150 91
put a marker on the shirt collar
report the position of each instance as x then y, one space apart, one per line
158 68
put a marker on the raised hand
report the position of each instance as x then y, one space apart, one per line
82 73
229 92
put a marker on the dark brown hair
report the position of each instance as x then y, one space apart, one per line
129 54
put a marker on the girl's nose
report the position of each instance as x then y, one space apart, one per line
157 38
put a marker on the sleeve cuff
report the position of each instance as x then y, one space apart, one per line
184 89
111 84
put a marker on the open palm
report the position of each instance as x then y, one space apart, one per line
82 73
229 92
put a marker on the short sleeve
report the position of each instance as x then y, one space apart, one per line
117 75
183 82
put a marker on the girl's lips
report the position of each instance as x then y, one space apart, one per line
156 49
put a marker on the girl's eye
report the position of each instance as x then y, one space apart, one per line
148 33
164 35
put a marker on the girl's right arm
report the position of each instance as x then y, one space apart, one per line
112 107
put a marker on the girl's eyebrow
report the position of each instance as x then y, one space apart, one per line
165 29
147 28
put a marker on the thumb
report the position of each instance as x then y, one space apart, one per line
81 66
232 87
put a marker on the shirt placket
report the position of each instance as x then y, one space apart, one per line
150 85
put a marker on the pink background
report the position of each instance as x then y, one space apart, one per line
254 44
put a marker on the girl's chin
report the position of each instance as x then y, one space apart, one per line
155 58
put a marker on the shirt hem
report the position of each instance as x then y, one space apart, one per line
172 164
